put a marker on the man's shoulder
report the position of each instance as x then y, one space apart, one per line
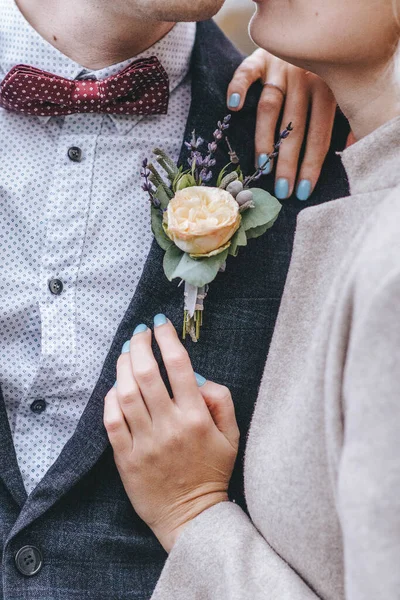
215 59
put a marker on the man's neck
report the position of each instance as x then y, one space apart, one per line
92 34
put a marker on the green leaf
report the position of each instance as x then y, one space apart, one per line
265 212
200 272
184 181
157 227
239 239
164 195
172 258
259 231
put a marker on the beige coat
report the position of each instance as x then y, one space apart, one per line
323 458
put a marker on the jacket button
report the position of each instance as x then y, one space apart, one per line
56 286
29 561
75 154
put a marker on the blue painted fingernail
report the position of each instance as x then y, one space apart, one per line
282 188
115 384
262 160
140 329
234 101
303 191
200 380
126 347
160 320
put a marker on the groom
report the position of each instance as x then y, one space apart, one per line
78 271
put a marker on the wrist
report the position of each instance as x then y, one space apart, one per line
168 534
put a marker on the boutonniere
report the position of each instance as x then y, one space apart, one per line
200 226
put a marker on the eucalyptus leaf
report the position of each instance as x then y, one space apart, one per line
239 239
172 258
197 272
259 231
265 212
157 227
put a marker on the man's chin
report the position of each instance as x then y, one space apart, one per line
174 11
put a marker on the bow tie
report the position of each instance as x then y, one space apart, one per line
140 89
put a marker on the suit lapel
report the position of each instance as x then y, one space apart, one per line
210 78
9 470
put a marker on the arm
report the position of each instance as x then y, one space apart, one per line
175 457
221 555
369 470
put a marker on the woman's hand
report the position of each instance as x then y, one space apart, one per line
175 456
296 93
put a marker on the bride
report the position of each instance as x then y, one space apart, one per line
322 472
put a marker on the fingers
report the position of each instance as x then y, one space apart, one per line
295 111
302 91
179 368
252 68
130 398
323 109
115 424
220 404
268 113
147 375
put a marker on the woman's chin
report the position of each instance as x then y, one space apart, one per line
267 38
261 34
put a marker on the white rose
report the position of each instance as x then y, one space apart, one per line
200 220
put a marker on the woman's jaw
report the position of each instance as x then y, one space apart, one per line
349 44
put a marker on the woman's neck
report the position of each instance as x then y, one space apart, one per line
368 97
93 34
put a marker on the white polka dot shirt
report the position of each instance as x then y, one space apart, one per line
74 237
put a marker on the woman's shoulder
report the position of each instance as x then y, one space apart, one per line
379 256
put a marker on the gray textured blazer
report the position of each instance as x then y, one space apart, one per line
322 469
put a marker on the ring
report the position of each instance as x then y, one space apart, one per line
269 84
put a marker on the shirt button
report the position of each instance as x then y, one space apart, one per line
56 286
29 560
38 406
75 154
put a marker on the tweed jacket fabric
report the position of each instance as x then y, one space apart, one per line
94 545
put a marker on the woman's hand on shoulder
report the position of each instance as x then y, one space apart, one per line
293 96
175 455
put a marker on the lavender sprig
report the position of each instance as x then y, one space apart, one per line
209 161
196 158
259 172
147 185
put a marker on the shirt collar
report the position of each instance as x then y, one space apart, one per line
20 43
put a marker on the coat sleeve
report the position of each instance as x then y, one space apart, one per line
222 556
369 469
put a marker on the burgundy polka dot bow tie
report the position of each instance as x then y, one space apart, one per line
140 89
